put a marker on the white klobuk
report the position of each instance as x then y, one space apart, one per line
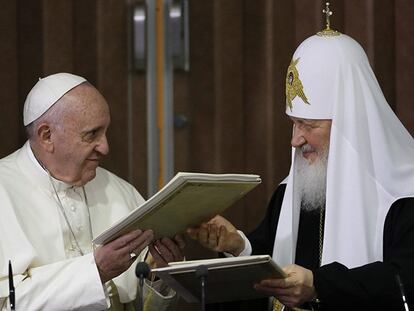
371 154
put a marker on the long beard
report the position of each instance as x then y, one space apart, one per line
310 179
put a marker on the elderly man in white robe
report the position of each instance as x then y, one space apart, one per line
54 199
342 222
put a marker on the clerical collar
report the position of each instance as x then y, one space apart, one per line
59 185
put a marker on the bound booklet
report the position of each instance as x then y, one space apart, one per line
227 279
186 201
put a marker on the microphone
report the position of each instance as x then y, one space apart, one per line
11 288
402 291
142 271
201 273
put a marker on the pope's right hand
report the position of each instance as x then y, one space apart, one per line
218 235
118 255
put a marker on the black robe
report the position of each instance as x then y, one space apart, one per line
369 287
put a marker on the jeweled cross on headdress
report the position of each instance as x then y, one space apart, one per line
328 31
328 14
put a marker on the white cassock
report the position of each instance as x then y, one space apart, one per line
49 271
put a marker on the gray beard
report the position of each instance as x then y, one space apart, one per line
310 180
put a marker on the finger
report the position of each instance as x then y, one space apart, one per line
212 236
142 241
277 283
159 261
283 291
164 252
263 289
273 291
222 237
203 236
288 301
277 291
221 221
180 241
124 240
138 244
289 269
173 249
192 233
215 220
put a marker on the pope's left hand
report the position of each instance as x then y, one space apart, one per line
167 250
294 290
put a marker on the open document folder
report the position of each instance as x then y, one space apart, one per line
186 201
228 279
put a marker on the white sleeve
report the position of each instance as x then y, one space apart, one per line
247 251
64 285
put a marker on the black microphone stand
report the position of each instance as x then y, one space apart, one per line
402 292
11 288
142 271
201 273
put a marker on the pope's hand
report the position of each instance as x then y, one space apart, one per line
167 250
118 255
218 235
292 291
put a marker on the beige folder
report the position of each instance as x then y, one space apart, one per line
187 200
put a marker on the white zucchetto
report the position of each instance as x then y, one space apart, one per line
46 92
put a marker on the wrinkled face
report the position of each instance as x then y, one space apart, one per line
311 137
80 139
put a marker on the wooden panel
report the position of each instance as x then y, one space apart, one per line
307 16
264 69
112 79
338 17
201 85
228 117
384 48
84 39
215 88
30 49
359 23
280 127
57 36
228 58
182 107
10 111
139 132
137 114
404 74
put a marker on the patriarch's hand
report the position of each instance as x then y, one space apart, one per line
218 235
292 291
167 250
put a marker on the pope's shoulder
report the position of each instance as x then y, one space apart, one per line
8 165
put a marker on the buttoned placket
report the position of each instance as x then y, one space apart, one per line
76 210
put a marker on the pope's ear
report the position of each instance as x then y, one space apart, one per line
44 136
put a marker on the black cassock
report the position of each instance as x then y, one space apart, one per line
369 287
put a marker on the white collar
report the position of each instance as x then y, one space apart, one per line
59 185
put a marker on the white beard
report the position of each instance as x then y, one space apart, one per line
310 179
